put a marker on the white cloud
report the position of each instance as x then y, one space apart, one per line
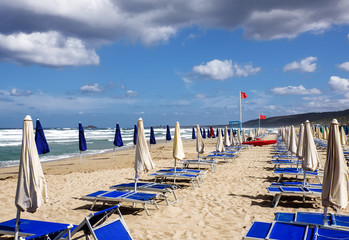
46 48
95 88
131 93
199 95
344 66
18 92
294 90
222 70
338 84
305 65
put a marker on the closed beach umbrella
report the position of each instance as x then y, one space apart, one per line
343 136
212 132
292 147
82 140
243 135
226 137
310 155
200 146
31 190
299 153
168 133
118 139
178 152
152 136
238 137
193 134
335 181
232 142
220 144
203 133
135 135
143 160
40 139
208 133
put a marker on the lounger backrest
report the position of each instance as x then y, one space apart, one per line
112 230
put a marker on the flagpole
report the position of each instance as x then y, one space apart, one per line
259 121
240 112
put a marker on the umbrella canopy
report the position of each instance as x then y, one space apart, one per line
135 134
343 136
243 135
208 133
193 134
31 190
232 143
200 146
226 137
143 160
335 181
40 140
310 155
238 137
168 133
220 145
212 132
292 147
152 136
118 139
203 133
178 152
82 140
299 153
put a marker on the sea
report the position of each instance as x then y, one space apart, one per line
64 142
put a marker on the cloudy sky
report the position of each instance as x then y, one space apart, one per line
107 61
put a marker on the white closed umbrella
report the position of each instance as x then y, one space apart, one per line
243 135
226 137
143 160
343 136
232 142
335 181
292 147
299 153
200 146
238 137
31 190
220 144
178 151
310 155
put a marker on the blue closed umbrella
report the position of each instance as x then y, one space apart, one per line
203 133
82 140
135 135
118 139
168 134
40 140
208 133
152 136
193 134
217 132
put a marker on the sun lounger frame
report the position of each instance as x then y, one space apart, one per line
163 176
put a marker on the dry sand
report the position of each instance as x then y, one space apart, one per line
224 207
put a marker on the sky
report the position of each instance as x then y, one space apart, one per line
106 61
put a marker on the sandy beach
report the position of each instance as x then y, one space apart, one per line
224 207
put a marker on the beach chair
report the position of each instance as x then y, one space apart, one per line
164 176
292 231
296 184
115 197
199 163
278 191
34 229
284 156
294 172
222 157
164 189
98 225
337 221
279 162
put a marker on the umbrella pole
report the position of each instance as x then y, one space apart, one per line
80 158
175 167
113 151
324 218
17 224
304 177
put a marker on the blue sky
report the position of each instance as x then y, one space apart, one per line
109 61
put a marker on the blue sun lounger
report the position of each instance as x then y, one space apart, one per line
199 163
223 157
296 184
285 156
291 231
337 221
293 191
164 189
163 176
96 225
297 172
115 197
34 229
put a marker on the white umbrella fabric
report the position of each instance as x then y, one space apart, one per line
292 147
310 155
226 137
220 145
200 146
239 137
232 142
143 160
299 153
335 181
343 136
243 135
178 152
31 190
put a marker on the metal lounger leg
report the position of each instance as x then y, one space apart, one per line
93 204
146 209
280 177
276 200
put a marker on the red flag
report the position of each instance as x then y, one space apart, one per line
243 95
262 117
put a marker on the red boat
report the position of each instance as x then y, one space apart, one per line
260 142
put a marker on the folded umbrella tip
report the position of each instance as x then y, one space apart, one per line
28 118
334 121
